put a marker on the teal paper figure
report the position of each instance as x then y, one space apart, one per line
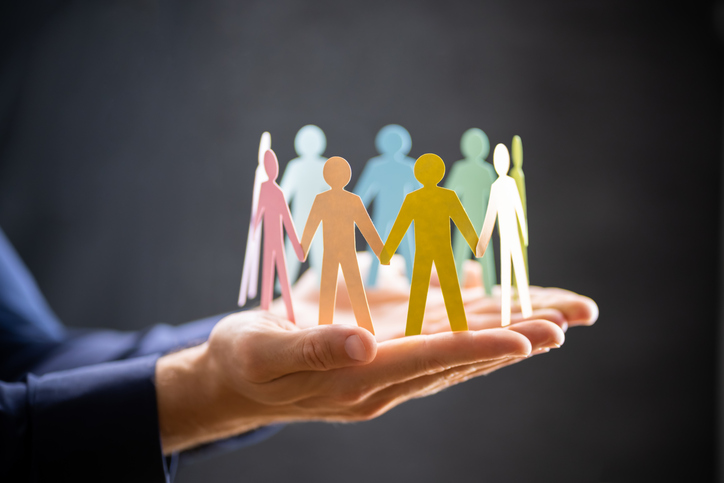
471 178
302 182
387 179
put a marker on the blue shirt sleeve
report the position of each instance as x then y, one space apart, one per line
95 423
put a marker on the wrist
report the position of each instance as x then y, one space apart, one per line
195 405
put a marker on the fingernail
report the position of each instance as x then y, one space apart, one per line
564 327
355 348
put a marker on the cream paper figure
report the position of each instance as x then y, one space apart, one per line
250 272
505 204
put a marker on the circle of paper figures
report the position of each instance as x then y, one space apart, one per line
412 211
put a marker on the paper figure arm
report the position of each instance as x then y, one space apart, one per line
258 217
313 221
292 232
404 218
521 215
490 215
367 228
367 187
462 221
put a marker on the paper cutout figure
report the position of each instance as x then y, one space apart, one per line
516 172
338 211
387 179
250 272
273 210
471 178
431 208
302 181
505 204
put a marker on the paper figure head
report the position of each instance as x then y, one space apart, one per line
474 144
501 160
310 141
516 151
429 169
393 139
337 172
264 144
271 165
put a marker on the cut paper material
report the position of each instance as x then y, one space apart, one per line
431 208
274 212
338 211
471 178
250 272
302 181
505 204
516 172
387 179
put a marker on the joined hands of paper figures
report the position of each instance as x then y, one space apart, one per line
388 302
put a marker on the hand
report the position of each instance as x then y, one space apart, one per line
300 251
257 369
384 257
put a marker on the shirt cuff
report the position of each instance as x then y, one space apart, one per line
97 423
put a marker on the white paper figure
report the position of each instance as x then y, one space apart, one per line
250 272
505 204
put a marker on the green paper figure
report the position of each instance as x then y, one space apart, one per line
301 183
516 173
471 178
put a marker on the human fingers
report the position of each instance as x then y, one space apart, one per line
266 348
542 334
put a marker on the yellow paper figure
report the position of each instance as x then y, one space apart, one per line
431 208
338 211
505 204
516 172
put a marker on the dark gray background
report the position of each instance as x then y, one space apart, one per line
128 143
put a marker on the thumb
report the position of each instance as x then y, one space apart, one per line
320 348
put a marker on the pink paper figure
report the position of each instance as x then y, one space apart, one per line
273 209
250 272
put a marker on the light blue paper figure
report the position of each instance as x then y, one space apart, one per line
387 179
301 183
472 178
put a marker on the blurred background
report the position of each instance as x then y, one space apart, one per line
128 141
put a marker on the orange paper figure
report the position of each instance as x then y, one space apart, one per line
338 211
274 211
250 272
505 204
431 208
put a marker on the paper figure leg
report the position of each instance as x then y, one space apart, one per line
267 279
488 262
418 295
450 287
357 295
247 269
505 282
525 259
407 250
281 265
522 279
254 268
461 252
328 291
